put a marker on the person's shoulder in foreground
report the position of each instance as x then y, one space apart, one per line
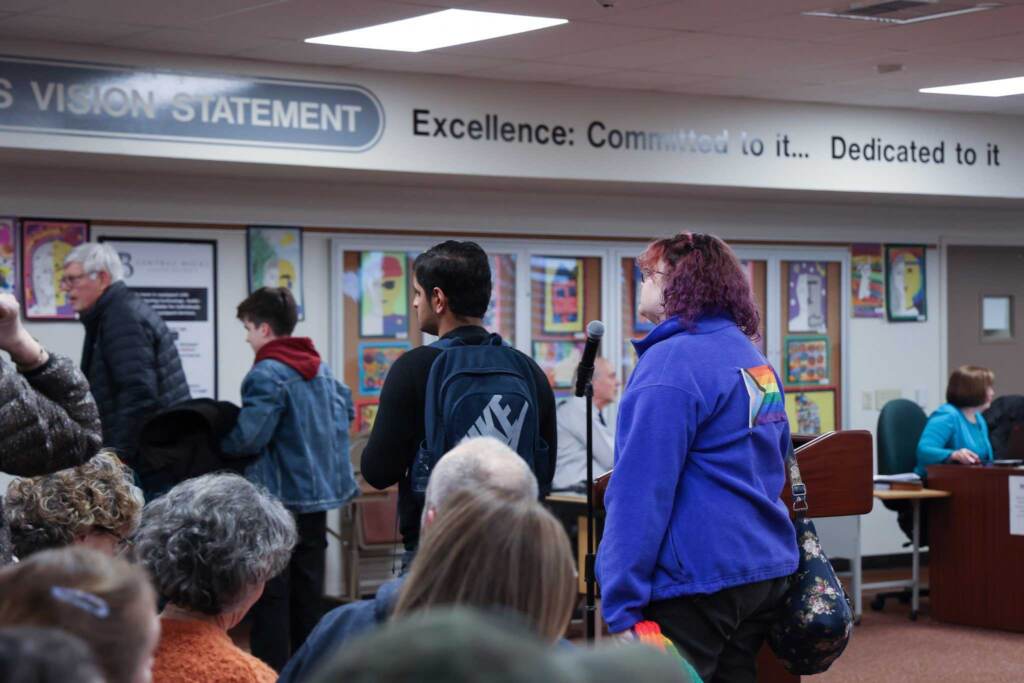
460 645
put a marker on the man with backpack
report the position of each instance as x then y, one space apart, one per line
468 383
295 415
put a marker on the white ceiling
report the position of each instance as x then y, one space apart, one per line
740 48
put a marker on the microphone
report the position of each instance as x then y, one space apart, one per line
585 370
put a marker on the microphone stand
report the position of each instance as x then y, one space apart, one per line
590 577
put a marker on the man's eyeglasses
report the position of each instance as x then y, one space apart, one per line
72 280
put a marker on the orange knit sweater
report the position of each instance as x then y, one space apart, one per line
197 652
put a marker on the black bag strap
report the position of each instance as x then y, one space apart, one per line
796 484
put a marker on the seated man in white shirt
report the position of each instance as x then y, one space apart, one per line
571 464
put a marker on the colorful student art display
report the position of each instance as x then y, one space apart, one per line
8 255
808 296
375 359
275 260
558 360
366 413
384 295
867 281
641 325
807 360
811 412
45 244
563 295
906 283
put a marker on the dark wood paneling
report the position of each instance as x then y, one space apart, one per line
976 568
837 471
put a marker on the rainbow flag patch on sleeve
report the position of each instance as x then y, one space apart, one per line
766 404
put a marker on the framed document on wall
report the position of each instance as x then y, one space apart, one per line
178 278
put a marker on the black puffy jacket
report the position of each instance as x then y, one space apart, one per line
132 366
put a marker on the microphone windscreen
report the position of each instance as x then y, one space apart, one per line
595 329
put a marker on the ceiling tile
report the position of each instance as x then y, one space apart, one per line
991 24
557 40
292 52
426 62
187 40
799 27
1010 48
696 15
176 13
589 10
301 19
634 80
63 29
31 5
536 71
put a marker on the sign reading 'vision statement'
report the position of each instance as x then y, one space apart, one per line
65 97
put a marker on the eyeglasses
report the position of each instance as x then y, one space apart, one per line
123 542
72 280
647 274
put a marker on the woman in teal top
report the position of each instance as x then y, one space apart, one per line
957 432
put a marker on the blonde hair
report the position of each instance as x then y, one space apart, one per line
489 552
103 600
53 510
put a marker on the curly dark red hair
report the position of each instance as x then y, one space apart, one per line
703 277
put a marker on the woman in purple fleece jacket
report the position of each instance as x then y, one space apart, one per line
696 537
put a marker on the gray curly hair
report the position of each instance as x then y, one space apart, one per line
53 510
209 540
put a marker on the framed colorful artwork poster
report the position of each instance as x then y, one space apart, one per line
812 411
45 244
366 413
500 315
867 281
375 359
906 283
384 294
808 296
558 360
807 360
275 260
8 255
563 295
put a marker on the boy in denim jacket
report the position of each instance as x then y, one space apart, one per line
295 415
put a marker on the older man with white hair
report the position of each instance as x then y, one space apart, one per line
477 464
129 356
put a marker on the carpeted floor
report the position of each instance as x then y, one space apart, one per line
889 648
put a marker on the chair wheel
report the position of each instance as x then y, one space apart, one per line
878 604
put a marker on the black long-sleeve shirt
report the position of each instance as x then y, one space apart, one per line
399 428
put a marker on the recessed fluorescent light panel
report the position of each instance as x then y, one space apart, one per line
436 30
999 88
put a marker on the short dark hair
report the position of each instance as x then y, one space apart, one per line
272 305
460 270
968 386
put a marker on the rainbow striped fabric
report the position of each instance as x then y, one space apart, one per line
766 403
649 633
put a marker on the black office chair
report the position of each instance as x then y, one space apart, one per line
900 424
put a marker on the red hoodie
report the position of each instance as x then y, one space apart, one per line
297 353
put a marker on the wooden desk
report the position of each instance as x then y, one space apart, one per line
914 583
976 568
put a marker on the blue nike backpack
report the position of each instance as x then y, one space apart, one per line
483 389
